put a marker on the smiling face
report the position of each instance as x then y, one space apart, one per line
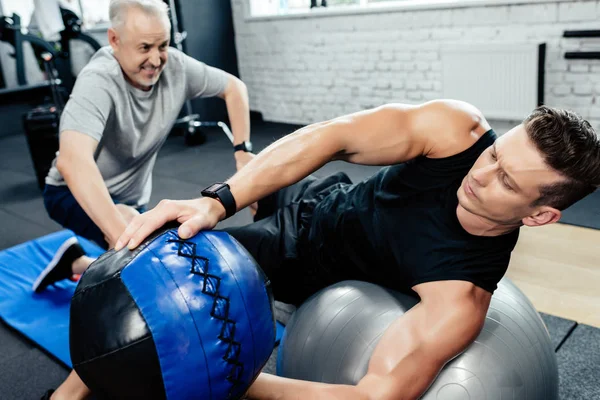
502 186
140 45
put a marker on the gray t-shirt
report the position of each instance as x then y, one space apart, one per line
131 124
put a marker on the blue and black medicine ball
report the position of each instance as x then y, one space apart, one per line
172 319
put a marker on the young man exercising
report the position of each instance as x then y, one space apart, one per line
440 220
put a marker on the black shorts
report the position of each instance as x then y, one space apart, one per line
277 238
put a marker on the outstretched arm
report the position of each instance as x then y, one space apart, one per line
238 110
410 354
385 135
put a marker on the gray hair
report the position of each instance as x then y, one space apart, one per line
118 10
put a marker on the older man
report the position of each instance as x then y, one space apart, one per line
121 111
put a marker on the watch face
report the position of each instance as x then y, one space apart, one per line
213 188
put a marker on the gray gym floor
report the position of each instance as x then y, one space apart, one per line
26 372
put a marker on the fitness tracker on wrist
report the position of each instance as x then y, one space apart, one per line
221 192
244 146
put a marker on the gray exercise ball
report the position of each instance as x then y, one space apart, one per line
331 336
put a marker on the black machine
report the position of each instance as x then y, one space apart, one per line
41 124
11 31
41 131
72 31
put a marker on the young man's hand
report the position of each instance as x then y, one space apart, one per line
194 215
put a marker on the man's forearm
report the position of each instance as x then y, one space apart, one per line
407 358
87 186
271 387
407 384
238 110
283 163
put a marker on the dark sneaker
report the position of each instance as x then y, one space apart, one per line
47 395
61 265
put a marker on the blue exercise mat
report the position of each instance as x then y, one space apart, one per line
42 317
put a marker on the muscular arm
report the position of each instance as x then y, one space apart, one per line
382 136
410 354
385 135
78 168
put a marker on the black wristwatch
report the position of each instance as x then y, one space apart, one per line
244 146
221 192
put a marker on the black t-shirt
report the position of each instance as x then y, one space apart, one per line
399 228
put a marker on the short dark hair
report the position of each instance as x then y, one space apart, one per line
570 146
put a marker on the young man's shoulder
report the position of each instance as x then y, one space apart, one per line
452 126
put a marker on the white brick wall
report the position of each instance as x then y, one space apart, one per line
304 70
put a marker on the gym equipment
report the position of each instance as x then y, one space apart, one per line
190 125
13 33
25 96
41 123
582 55
41 126
73 31
42 317
175 319
313 3
331 337
41 130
